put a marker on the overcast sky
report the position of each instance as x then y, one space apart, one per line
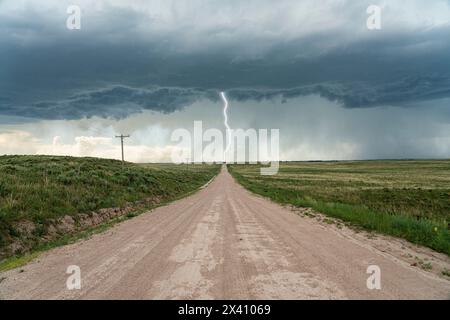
334 88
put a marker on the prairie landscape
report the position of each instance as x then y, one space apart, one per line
225 150
409 199
37 191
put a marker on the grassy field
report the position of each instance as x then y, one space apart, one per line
409 199
38 189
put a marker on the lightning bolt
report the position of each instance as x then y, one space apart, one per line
225 115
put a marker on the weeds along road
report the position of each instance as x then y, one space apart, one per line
221 242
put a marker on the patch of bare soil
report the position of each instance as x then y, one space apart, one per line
420 257
27 234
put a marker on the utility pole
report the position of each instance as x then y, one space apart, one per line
121 143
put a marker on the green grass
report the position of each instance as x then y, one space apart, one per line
38 189
21 259
18 261
407 199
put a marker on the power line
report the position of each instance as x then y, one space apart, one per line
121 143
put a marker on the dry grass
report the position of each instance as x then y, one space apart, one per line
410 199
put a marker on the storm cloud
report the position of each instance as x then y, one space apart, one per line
334 88
114 102
164 55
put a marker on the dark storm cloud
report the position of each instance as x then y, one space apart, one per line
120 101
112 102
362 94
123 61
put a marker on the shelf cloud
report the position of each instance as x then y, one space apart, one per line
134 57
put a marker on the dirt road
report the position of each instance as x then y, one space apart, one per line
221 243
